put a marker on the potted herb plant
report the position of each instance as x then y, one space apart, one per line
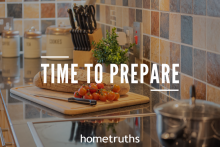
107 51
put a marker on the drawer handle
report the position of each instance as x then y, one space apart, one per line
4 144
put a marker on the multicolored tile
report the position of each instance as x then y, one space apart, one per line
146 21
62 9
47 10
199 32
146 47
18 26
213 7
164 25
147 77
146 4
102 1
213 94
132 16
175 27
13 0
175 55
164 5
45 24
2 0
138 3
97 14
113 2
175 94
138 15
33 8
199 7
65 21
186 83
155 4
213 37
102 14
107 14
14 10
131 3
155 84
154 49
155 23
186 6
187 60
119 16
175 5
164 52
200 64
119 2
125 2
213 69
2 10
200 90
187 29
125 14
31 23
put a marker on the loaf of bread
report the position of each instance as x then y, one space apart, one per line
82 79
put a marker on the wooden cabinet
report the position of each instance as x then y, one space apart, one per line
7 136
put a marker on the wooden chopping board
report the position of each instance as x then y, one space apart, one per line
71 108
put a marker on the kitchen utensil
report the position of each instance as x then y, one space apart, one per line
59 42
10 42
75 108
90 14
188 123
32 43
71 99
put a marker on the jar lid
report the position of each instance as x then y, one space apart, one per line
10 33
32 33
61 29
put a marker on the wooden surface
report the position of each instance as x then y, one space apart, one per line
71 108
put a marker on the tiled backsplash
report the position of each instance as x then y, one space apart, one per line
174 31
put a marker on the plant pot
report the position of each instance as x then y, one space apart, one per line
107 69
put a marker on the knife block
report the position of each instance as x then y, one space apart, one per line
86 57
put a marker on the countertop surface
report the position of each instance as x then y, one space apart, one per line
19 71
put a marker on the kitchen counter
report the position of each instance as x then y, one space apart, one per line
20 71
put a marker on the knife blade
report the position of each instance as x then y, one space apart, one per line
71 99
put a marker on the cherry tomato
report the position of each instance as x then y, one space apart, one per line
103 97
116 88
95 96
117 96
85 86
82 91
77 95
88 96
103 91
111 96
93 88
100 85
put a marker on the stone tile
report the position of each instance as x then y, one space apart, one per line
175 27
102 13
155 23
18 26
33 8
164 5
2 10
186 83
213 37
113 2
97 12
164 25
125 2
199 32
213 7
47 10
102 1
187 29
45 24
213 94
29 23
119 2
175 55
47 0
213 69
2 0
175 5
107 14
164 52
186 6
131 3
139 3
63 20
146 21
14 10
186 60
200 90
199 7
200 64
62 9
155 84
125 14
154 49
108 2
13 0
146 47
132 15
146 4
155 4
138 15
119 16
175 94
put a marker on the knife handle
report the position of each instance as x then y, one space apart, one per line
87 40
83 101
73 39
69 11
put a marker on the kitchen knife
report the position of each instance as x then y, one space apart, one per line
72 22
71 99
